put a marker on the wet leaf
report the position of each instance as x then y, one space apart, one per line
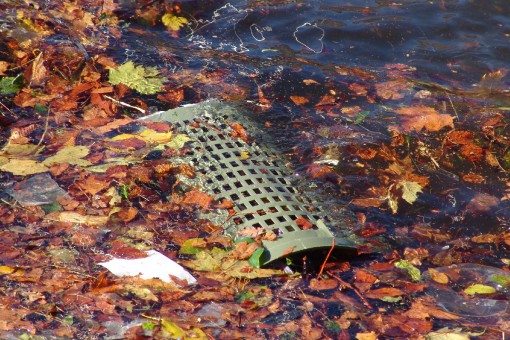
438 276
6 270
479 289
472 152
193 246
74 217
254 259
325 284
143 80
173 22
382 292
416 118
10 85
299 100
23 167
410 191
411 270
503 280
71 155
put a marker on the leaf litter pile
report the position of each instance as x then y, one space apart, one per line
83 182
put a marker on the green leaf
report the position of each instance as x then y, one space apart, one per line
503 280
189 246
71 155
171 330
413 272
10 85
254 259
479 289
142 79
391 298
360 117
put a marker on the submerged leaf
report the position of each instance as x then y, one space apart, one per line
71 155
479 289
173 22
413 272
142 79
410 191
23 167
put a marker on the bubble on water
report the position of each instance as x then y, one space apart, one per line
310 36
221 31
257 32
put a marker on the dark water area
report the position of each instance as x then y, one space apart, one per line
273 46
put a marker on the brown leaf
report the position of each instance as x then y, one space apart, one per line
492 160
239 132
438 276
460 137
251 232
369 202
123 251
473 178
482 203
393 89
127 214
416 118
304 223
3 67
299 100
39 73
198 198
472 152
93 184
323 284
244 250
485 238
363 276
367 153
382 292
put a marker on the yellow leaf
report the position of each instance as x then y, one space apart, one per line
173 22
195 334
479 289
244 155
124 136
410 191
74 217
154 137
23 167
70 155
21 149
172 330
6 270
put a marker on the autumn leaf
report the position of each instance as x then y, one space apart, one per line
11 85
299 100
479 289
173 22
71 155
416 118
23 167
382 292
142 79
410 191
438 276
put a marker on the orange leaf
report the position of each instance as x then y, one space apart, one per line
422 117
299 100
382 292
472 152
460 137
323 284
438 276
303 223
199 198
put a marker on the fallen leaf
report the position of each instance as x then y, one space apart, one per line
472 152
479 289
299 100
173 22
438 276
23 167
71 155
143 80
326 284
199 198
460 137
382 292
416 118
74 217
482 203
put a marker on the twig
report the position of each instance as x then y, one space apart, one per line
365 302
5 107
45 128
327 258
126 104
453 107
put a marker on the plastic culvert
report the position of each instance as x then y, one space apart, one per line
255 179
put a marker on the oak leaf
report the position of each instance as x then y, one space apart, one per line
416 118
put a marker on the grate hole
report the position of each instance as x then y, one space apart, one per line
230 175
249 217
249 182
220 178
269 222
234 164
265 200
277 231
234 197
277 199
219 146
242 206
257 191
281 219
293 217
261 212
227 154
285 208
253 203
238 184
245 193
252 171
241 172
227 187
289 228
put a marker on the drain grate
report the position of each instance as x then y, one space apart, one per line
255 179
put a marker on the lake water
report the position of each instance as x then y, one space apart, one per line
270 51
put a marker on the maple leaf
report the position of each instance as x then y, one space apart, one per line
173 22
142 79
422 117
407 190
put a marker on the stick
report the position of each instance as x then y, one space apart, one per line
126 104
327 257
365 302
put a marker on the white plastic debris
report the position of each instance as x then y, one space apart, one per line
155 265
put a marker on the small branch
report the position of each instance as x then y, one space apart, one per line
45 128
5 107
347 285
126 104
327 258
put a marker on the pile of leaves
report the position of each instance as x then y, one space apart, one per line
83 181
